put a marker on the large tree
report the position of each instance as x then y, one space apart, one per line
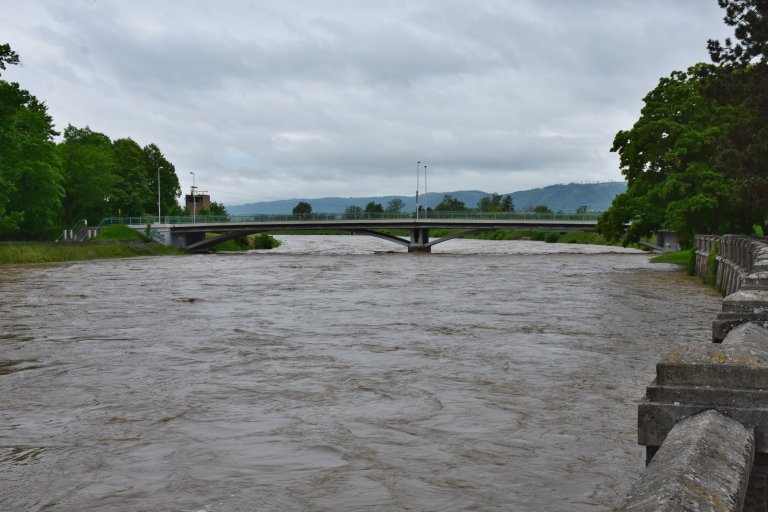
302 209
30 181
667 159
496 203
395 205
130 193
450 204
89 167
742 79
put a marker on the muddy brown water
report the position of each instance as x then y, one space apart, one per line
333 374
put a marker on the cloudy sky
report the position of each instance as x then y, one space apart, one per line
280 99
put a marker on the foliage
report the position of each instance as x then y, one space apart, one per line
676 257
667 158
697 160
450 204
216 209
7 56
395 205
541 208
258 241
89 168
496 203
131 188
44 185
748 17
353 212
30 181
302 209
25 253
743 80
264 241
372 207
118 232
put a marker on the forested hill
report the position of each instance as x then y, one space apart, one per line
567 198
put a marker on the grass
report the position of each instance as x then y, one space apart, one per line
675 258
28 253
685 258
118 232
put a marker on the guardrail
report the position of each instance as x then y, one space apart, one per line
472 215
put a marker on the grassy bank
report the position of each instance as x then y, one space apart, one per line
685 258
112 242
52 252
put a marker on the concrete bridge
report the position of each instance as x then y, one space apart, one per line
191 233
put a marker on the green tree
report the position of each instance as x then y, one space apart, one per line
30 178
496 203
750 21
541 208
302 209
353 212
395 205
88 165
218 209
372 207
450 204
667 160
131 193
742 80
7 56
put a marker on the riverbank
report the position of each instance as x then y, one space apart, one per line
48 252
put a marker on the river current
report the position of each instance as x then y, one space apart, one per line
333 374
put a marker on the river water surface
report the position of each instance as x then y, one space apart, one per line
334 375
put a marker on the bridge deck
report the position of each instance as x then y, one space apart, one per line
186 232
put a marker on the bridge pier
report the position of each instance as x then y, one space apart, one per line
419 240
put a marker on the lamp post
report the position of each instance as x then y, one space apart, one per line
158 193
194 201
426 199
418 166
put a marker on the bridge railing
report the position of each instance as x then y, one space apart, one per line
321 217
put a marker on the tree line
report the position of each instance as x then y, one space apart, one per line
696 161
492 203
45 184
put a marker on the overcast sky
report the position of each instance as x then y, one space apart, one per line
290 99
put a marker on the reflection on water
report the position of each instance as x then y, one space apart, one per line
335 374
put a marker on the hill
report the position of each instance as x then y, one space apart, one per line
566 198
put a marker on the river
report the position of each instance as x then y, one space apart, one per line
333 374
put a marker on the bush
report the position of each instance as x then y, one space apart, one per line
264 241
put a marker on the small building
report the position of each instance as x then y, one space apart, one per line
197 202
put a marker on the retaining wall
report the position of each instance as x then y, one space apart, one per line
704 419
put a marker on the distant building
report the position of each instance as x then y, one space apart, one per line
201 201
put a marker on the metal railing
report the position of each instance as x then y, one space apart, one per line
320 217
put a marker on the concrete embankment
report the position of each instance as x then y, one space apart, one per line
704 419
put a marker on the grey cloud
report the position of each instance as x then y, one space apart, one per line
294 97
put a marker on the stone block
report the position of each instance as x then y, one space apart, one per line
743 306
731 377
704 464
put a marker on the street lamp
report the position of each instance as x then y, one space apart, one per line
158 193
426 199
194 201
418 167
